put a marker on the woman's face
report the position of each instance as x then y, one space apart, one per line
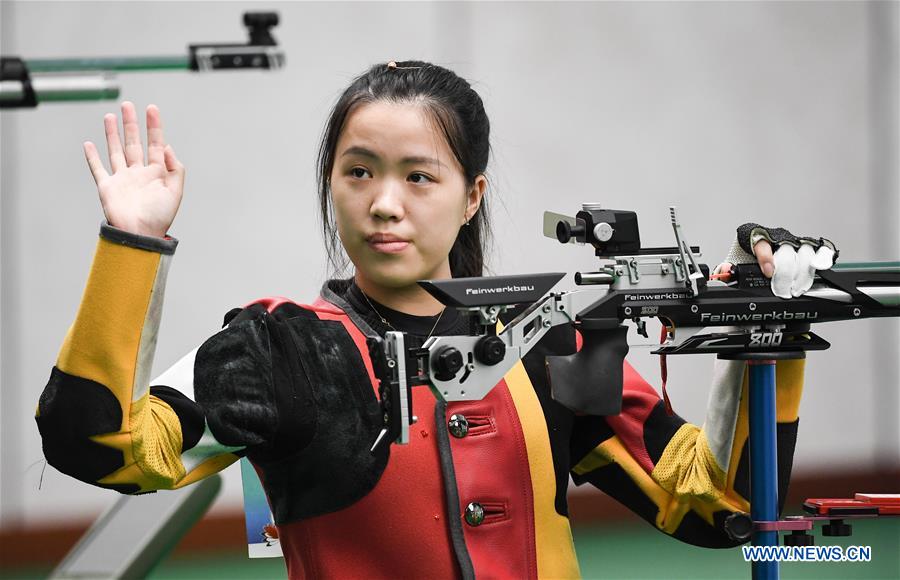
399 194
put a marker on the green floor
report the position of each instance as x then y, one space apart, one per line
627 552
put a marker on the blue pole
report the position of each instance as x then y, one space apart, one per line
763 460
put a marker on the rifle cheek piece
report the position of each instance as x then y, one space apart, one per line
590 381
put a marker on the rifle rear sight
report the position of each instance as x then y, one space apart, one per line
615 236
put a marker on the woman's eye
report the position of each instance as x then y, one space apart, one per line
359 172
419 178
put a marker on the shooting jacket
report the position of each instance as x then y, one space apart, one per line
479 491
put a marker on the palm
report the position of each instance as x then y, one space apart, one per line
138 198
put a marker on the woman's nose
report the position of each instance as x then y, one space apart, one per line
388 202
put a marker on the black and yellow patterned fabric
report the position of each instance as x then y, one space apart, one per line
100 421
685 479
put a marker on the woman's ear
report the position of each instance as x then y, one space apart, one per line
474 196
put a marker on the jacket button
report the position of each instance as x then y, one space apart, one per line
458 425
474 514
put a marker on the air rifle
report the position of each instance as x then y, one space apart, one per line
700 313
25 83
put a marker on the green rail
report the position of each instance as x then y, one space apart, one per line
125 64
883 266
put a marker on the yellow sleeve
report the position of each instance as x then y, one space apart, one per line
98 419
682 478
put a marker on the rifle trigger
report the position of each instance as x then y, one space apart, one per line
641 327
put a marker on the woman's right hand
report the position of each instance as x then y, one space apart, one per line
138 198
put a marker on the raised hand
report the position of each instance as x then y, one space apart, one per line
137 197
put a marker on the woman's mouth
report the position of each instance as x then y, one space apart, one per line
386 243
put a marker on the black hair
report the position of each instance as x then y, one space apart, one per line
455 108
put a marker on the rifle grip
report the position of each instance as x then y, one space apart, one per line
590 381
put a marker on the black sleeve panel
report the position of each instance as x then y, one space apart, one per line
71 410
615 482
659 428
588 431
695 531
558 341
190 415
786 434
787 442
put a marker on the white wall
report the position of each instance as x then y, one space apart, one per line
785 114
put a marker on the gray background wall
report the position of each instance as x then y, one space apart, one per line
781 113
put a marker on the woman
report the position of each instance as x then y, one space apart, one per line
481 488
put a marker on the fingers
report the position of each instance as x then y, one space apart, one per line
113 145
175 178
785 263
134 151
824 258
156 144
93 160
808 261
763 251
803 278
172 163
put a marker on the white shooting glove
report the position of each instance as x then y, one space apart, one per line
796 258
